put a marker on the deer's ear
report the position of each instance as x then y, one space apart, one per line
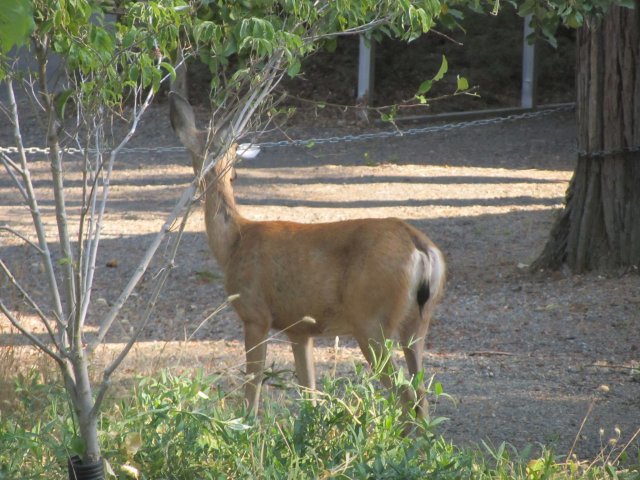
183 122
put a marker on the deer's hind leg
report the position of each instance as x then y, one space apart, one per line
412 337
374 349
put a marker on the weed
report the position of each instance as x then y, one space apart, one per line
207 276
369 161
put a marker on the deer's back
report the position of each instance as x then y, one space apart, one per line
338 273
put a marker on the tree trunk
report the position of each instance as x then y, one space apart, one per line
599 228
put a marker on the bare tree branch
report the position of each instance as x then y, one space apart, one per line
164 275
34 305
21 237
87 262
351 31
10 166
273 73
216 311
32 338
95 240
35 211
105 323
55 158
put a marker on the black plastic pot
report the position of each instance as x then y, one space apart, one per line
78 470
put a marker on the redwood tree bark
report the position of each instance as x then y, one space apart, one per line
599 228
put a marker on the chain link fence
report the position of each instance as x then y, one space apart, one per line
361 137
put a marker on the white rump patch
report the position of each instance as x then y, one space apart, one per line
420 272
247 151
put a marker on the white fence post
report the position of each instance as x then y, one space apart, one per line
366 60
528 96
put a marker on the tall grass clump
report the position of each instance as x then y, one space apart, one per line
181 426
34 427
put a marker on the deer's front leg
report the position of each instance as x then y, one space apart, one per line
255 344
302 347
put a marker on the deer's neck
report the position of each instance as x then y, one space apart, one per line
223 221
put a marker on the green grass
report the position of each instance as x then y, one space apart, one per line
182 427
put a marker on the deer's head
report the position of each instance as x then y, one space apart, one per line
203 145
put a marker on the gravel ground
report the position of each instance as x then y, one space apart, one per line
522 355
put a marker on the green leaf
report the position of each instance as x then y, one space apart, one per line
230 48
61 102
134 73
574 20
425 87
437 388
550 36
128 39
77 445
156 78
64 261
16 23
527 8
387 117
612 471
238 425
457 14
170 70
437 421
294 69
330 45
463 84
444 66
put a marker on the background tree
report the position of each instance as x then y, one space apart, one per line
599 227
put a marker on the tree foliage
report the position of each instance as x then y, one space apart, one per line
547 16
244 43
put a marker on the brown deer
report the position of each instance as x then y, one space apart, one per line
372 279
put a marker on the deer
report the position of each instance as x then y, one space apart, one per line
373 279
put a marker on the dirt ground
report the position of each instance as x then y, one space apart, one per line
522 355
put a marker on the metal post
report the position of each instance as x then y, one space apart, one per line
366 62
527 100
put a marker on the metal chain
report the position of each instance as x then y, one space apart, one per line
324 140
607 153
413 131
80 151
357 138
